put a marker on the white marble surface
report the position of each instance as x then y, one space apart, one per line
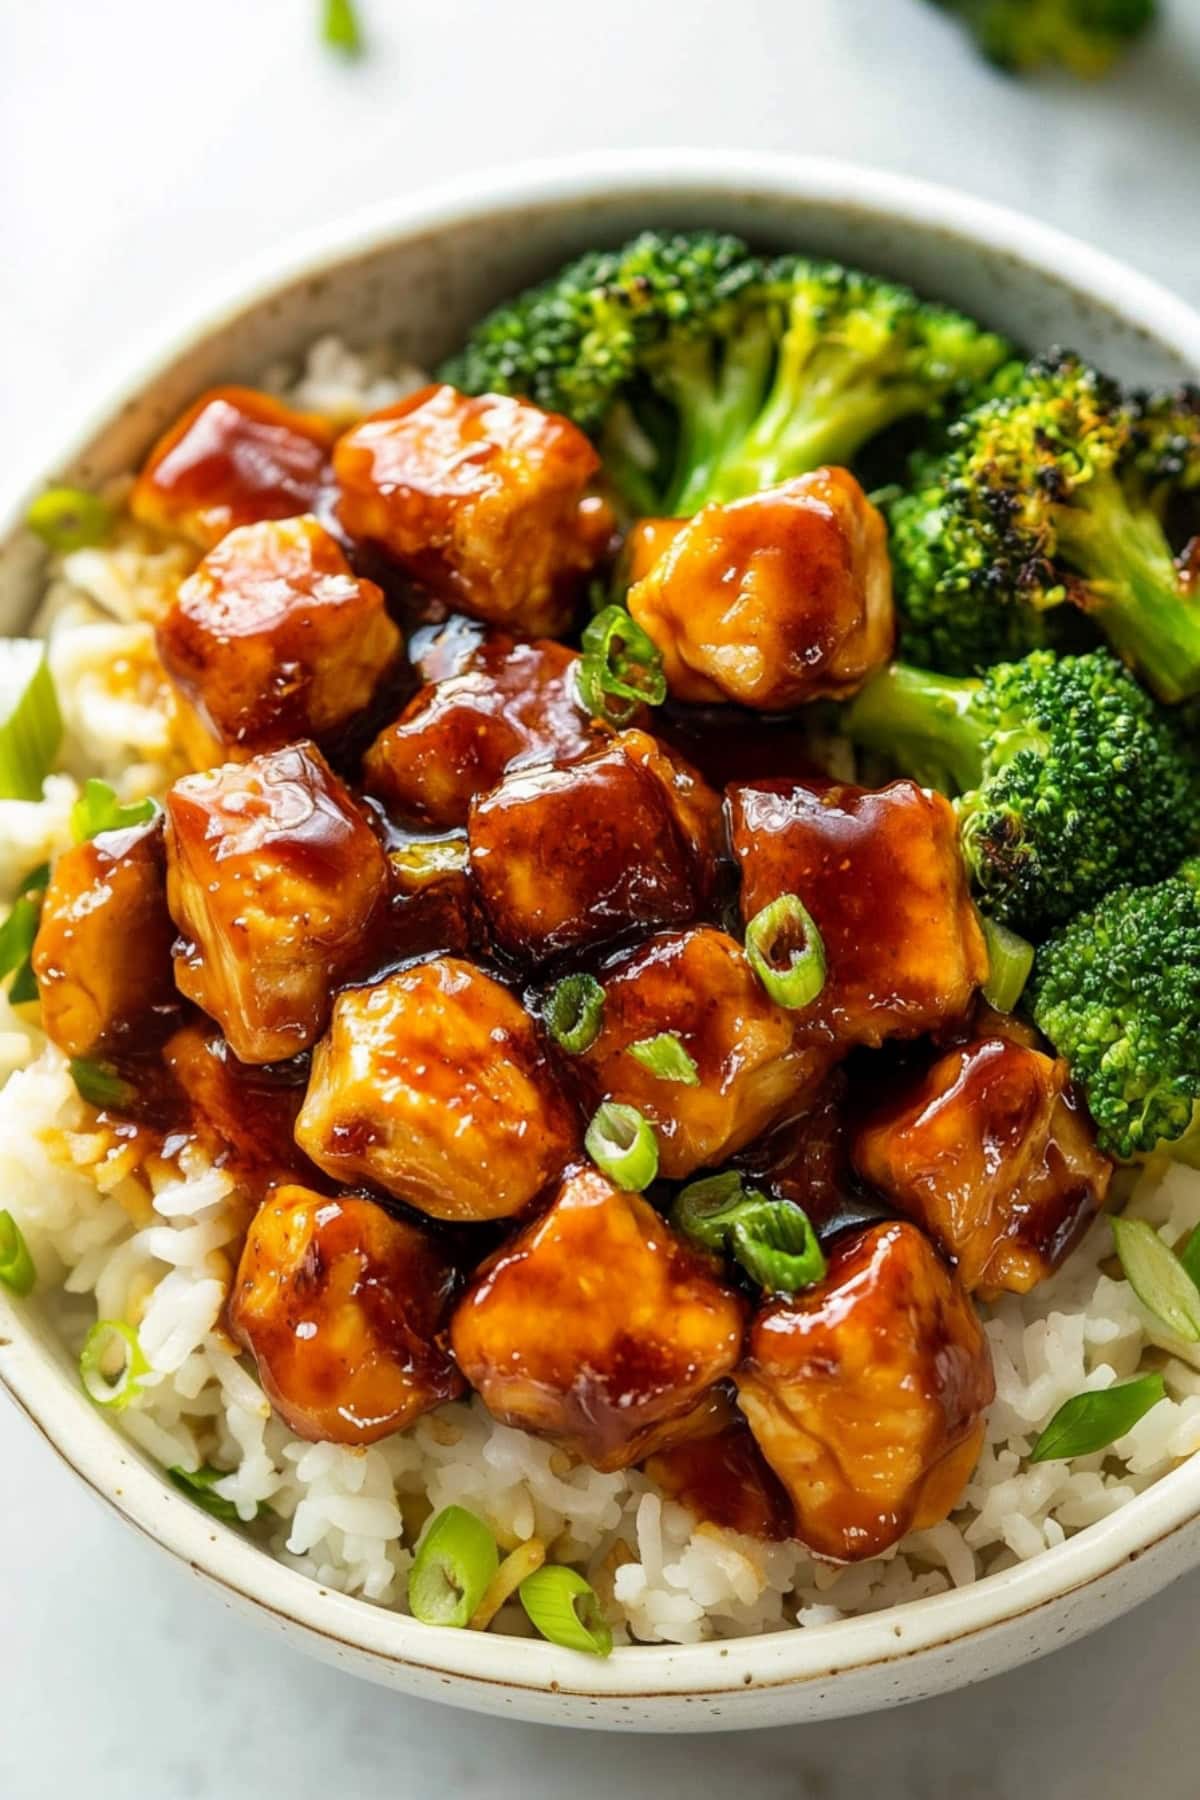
148 146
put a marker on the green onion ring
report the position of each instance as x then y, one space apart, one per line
113 1391
456 1559
16 1265
621 1143
786 952
566 1610
574 1012
666 1058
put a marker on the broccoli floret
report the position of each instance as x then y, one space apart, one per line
1048 514
706 372
1083 36
1117 992
1066 776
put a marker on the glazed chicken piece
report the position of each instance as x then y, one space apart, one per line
243 1114
565 857
235 456
721 1476
596 1325
275 880
434 1085
697 987
102 955
646 541
342 1307
511 705
482 499
773 600
881 874
274 638
991 1154
867 1393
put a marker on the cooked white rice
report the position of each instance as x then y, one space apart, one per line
116 1234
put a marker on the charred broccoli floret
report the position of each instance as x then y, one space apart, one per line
1053 495
1066 776
1117 992
1084 36
706 372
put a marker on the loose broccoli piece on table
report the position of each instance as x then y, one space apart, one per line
1067 777
1117 992
706 372
1053 496
1084 36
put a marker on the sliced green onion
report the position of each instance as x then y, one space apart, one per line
112 1365
1158 1278
666 1058
1189 1256
30 722
621 1142
621 668
16 1265
198 1485
455 1561
786 952
17 933
1090 1422
423 859
574 1012
98 809
773 1240
340 28
566 1610
67 518
1010 958
100 1085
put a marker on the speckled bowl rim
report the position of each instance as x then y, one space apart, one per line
44 1388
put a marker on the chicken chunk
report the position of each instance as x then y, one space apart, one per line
243 1114
867 1393
235 456
697 987
434 1086
275 638
342 1307
482 499
992 1155
564 857
723 1478
774 600
102 955
513 704
596 1325
646 542
275 881
881 874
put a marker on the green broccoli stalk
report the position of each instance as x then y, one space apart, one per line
1084 36
1052 501
1066 776
706 372
1117 992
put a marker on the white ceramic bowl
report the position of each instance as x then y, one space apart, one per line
424 270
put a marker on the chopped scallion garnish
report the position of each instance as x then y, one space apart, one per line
1158 1278
112 1364
30 722
574 1012
566 1610
773 1240
100 1085
455 1561
666 1058
1092 1421
340 27
98 809
198 1485
786 952
1010 958
67 518
621 668
621 1143
16 1265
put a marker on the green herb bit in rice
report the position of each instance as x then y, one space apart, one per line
1092 1421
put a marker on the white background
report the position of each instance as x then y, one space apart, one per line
146 146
